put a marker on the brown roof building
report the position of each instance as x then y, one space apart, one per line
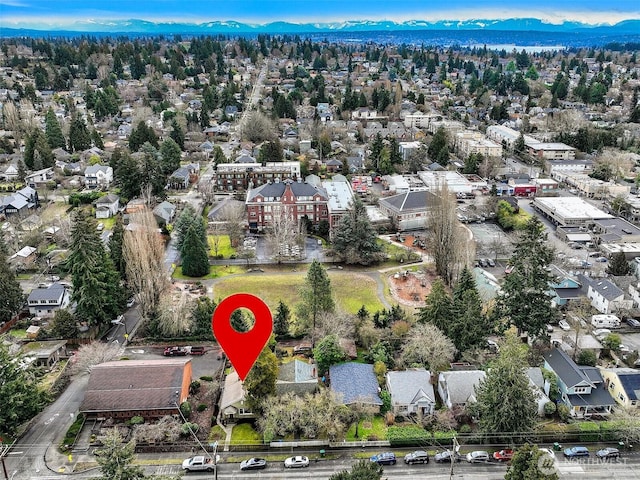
129 388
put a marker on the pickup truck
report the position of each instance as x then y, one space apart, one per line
196 350
199 463
175 352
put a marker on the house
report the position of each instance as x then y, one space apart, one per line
164 212
10 173
457 388
623 384
107 206
233 405
407 211
355 382
297 199
39 177
98 176
606 297
566 290
334 165
536 382
411 392
242 176
298 377
179 179
128 388
582 388
19 202
24 258
43 302
45 353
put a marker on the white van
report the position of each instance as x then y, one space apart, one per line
605 321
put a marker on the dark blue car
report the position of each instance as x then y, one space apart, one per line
386 458
575 452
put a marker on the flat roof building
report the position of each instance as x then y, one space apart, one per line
569 210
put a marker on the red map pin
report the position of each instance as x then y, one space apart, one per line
243 348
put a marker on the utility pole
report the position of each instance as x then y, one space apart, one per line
454 455
4 449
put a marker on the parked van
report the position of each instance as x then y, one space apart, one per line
605 321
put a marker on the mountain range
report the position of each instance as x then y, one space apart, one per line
627 27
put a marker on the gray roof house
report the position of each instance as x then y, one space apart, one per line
98 176
606 297
179 179
233 404
107 206
457 388
298 377
411 392
582 388
164 212
355 382
407 211
43 302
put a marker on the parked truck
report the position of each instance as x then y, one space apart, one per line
199 463
195 350
175 352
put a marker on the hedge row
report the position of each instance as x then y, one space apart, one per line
414 435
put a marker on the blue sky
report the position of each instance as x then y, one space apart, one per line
256 11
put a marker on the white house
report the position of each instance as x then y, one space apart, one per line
98 176
411 392
107 206
607 297
43 302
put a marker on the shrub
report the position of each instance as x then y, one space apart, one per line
407 436
444 438
589 431
206 378
202 407
194 387
185 409
465 428
389 418
189 427
386 402
137 420
563 412
587 357
550 408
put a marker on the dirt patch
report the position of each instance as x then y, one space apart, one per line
411 288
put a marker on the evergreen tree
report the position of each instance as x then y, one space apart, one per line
21 396
116 458
151 170
438 142
195 258
97 139
128 176
170 152
438 307
177 134
64 324
37 152
618 266
53 131
531 463
316 296
12 297
524 301
354 239
261 379
97 290
281 320
469 326
328 352
239 321
201 317
363 470
115 247
505 401
141 135
79 136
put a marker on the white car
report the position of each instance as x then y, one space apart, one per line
478 456
296 462
600 333
624 349
564 325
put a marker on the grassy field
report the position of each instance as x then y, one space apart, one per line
375 428
351 290
244 434
224 246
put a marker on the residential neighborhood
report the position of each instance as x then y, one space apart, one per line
447 239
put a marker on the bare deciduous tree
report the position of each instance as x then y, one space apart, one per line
173 314
449 243
428 345
339 324
233 217
93 354
257 127
143 252
283 233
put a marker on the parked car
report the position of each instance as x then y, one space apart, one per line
446 457
503 455
196 350
296 462
490 262
575 452
419 456
623 348
174 352
479 456
632 322
131 302
253 464
385 458
600 333
601 259
482 262
493 347
564 325
54 278
549 328
200 463
608 452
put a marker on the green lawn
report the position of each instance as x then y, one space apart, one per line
215 271
351 290
224 246
375 427
244 434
